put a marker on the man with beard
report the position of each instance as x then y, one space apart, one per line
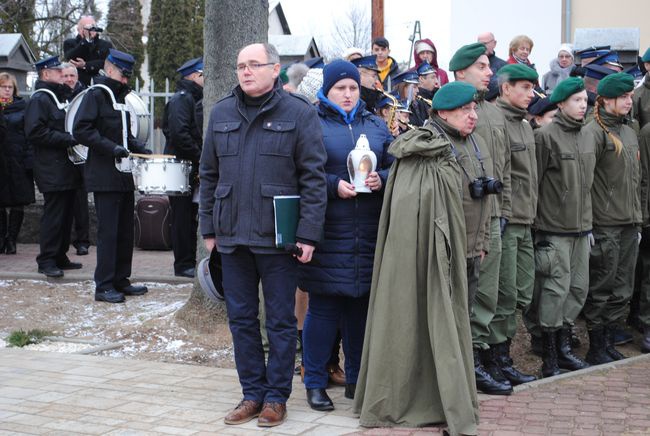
369 72
55 174
99 126
183 129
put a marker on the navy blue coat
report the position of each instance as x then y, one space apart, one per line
19 158
342 262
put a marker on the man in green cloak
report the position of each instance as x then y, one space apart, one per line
419 285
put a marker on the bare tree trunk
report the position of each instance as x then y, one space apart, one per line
229 25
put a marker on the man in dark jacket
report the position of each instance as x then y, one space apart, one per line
388 67
369 73
87 51
428 84
54 172
261 142
490 42
183 128
99 126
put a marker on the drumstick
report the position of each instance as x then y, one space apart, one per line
153 156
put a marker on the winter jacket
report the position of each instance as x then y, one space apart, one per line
45 132
644 150
616 196
474 164
491 126
99 127
19 158
94 53
442 74
342 263
523 166
245 162
641 102
565 168
555 76
420 110
392 72
183 122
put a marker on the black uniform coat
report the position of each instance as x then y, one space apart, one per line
45 131
421 110
19 158
94 53
99 127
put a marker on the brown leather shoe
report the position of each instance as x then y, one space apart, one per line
244 412
272 414
336 374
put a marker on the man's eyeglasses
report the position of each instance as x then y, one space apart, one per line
252 67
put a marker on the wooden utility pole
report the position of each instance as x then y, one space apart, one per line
377 18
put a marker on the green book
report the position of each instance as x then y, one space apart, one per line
286 209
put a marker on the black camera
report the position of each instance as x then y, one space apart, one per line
482 186
94 29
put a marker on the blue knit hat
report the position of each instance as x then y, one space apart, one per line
339 70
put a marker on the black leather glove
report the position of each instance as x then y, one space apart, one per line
120 151
141 148
503 222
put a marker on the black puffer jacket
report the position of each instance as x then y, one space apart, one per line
45 131
94 53
99 127
19 158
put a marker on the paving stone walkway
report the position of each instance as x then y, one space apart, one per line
64 394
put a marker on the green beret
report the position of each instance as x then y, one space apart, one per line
615 85
453 95
646 56
514 72
566 89
466 56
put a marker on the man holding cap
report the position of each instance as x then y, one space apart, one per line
56 176
388 67
516 269
183 129
641 100
98 126
470 64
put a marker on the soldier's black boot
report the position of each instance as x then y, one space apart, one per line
575 340
13 228
3 229
596 355
505 363
645 342
549 355
565 357
492 367
536 345
609 343
484 381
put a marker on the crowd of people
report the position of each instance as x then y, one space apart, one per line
483 195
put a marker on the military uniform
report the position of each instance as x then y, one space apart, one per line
183 128
641 102
55 175
642 283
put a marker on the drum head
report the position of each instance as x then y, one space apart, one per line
73 107
139 116
210 277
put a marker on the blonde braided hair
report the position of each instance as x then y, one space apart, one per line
618 145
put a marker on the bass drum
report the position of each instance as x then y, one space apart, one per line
138 114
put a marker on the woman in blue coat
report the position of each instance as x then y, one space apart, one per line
17 175
339 275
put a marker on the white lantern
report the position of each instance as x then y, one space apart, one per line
361 162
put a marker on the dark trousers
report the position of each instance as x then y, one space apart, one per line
473 270
184 224
56 224
242 272
324 315
114 239
81 219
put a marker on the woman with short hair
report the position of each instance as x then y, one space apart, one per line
519 50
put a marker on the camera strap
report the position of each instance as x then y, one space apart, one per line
477 151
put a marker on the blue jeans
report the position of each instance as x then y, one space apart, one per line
324 315
242 272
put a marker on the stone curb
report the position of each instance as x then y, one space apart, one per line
572 374
70 278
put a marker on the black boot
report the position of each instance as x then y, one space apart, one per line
505 363
549 355
597 354
565 357
484 381
575 340
350 390
536 345
3 229
610 330
491 366
13 228
319 400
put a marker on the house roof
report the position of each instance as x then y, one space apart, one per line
275 4
293 45
15 53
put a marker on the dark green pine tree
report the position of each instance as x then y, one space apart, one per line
124 27
171 39
17 16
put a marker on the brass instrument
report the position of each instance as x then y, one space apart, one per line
393 108
426 100
539 94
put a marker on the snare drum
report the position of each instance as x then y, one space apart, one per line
162 176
